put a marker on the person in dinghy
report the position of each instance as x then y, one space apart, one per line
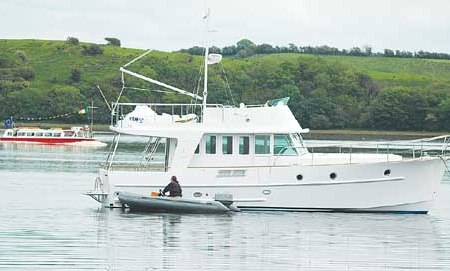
173 188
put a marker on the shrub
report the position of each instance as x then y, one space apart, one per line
92 50
113 41
73 41
75 75
22 55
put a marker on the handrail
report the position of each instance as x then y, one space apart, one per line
168 104
404 143
134 166
391 147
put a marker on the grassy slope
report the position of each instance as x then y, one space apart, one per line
53 60
386 70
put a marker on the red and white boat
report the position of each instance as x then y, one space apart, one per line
73 136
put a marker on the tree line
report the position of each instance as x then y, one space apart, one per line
246 48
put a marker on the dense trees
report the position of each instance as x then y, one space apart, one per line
324 93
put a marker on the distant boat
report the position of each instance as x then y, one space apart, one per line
76 135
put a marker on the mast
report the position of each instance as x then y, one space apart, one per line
91 110
205 82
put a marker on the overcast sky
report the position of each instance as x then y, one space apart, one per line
174 24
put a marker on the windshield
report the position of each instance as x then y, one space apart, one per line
283 145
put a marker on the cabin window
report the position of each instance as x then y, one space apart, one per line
57 135
210 144
283 145
9 133
69 134
30 134
39 134
262 144
21 134
227 144
197 150
244 145
48 134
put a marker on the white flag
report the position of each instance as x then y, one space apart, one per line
214 58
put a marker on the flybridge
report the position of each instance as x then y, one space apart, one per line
245 118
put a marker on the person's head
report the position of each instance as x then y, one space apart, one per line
174 179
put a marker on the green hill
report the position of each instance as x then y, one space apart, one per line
43 79
389 71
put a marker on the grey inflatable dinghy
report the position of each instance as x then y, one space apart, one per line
221 204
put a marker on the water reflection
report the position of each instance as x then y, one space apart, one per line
317 241
47 223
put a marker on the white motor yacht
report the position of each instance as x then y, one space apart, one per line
256 153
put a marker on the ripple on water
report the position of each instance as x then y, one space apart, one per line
47 223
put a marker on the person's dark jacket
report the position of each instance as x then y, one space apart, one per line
173 188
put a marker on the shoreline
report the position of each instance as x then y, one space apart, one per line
313 134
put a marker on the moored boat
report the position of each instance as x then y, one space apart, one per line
74 136
174 205
257 154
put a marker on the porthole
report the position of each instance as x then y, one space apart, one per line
387 172
333 176
267 192
299 177
197 194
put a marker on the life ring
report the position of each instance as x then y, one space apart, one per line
8 122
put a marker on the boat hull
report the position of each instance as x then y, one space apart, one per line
411 187
46 140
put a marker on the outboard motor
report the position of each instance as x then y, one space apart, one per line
227 200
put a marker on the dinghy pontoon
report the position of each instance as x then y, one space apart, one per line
221 204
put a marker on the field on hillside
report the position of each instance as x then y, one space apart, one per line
389 71
53 60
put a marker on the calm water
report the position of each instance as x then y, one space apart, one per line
47 223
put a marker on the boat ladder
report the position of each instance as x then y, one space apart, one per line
98 193
149 151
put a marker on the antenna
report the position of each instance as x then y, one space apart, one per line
205 82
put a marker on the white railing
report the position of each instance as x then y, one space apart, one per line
174 109
409 149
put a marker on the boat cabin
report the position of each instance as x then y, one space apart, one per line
226 136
